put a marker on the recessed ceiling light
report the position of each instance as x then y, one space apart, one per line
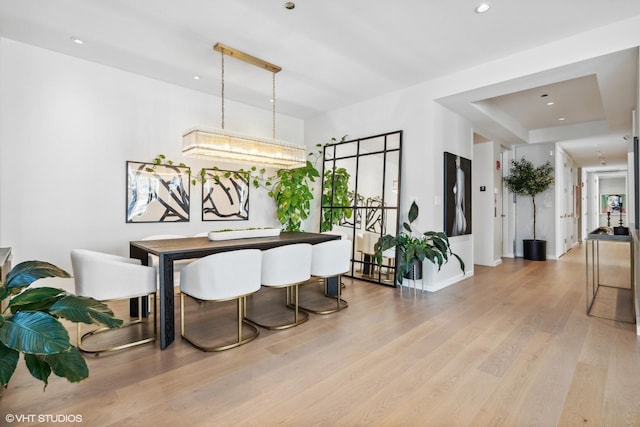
196 77
483 7
77 40
289 5
272 100
561 118
550 103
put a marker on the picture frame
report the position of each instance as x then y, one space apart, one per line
613 203
157 193
457 195
225 196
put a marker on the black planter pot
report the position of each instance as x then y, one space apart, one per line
535 250
415 270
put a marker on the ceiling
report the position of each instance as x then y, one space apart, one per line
336 53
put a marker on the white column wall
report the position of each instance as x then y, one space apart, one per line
483 206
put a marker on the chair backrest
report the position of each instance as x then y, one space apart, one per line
223 275
330 258
105 276
286 265
343 234
163 237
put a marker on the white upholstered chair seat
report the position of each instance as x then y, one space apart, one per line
107 277
285 267
221 277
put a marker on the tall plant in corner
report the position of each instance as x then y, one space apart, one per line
30 324
527 180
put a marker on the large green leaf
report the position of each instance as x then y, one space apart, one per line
28 272
8 362
413 212
34 332
36 299
70 365
38 367
85 310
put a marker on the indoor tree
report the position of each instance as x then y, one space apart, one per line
525 179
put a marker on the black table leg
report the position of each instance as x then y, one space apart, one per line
165 294
332 286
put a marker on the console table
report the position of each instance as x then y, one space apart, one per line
170 250
593 282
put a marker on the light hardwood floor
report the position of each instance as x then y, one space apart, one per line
510 346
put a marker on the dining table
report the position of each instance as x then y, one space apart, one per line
170 250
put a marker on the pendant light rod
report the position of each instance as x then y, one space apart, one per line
226 50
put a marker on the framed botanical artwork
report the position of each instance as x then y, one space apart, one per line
157 193
457 195
225 196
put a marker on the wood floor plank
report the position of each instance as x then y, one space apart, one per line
509 346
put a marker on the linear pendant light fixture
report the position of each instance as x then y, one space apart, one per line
234 147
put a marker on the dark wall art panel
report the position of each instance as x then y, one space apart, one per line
457 195
157 193
225 196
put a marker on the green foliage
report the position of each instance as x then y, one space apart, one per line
161 159
30 324
527 180
335 193
431 245
293 195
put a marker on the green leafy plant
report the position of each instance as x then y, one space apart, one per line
161 159
293 196
335 192
30 324
411 246
527 180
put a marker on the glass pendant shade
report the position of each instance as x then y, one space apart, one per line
232 147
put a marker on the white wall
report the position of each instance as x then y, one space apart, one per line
428 130
68 126
487 205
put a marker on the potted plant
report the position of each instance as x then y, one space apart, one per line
30 324
527 180
413 248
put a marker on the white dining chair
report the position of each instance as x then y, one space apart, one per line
221 277
285 267
107 277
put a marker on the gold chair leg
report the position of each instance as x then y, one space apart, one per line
291 302
340 303
240 304
81 338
